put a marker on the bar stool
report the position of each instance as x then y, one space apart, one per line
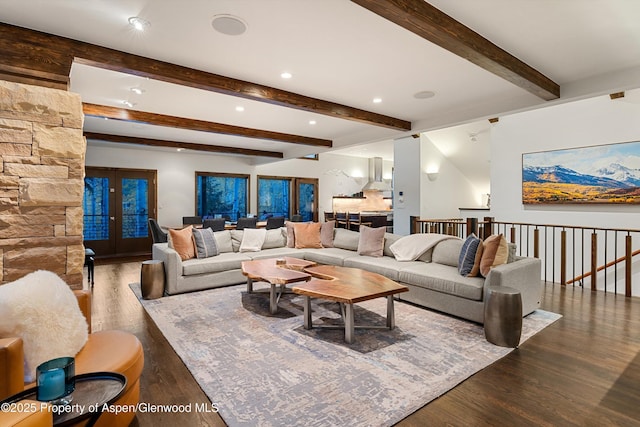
89 262
503 316
152 279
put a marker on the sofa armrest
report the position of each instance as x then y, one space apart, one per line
11 367
523 275
172 263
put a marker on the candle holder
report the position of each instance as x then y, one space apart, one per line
55 380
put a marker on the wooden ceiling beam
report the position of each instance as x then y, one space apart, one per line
430 23
126 115
182 145
29 49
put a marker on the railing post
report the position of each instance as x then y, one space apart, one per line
594 260
563 257
513 234
472 226
536 243
627 266
413 224
488 227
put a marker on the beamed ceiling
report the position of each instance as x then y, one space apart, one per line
480 59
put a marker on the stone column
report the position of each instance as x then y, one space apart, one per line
41 182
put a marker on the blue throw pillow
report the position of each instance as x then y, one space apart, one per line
468 255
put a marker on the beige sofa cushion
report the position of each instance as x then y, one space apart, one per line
346 239
222 262
223 241
275 238
442 278
447 252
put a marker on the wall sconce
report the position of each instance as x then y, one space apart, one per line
432 172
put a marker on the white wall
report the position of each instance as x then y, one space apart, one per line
176 174
443 196
406 177
583 123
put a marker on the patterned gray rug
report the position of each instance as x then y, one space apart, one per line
267 370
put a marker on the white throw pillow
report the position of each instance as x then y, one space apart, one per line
41 309
253 239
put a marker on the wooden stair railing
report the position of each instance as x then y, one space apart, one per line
550 243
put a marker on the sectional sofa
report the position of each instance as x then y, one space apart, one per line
433 279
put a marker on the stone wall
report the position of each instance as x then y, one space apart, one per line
41 182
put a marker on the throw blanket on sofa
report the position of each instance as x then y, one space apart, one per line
411 247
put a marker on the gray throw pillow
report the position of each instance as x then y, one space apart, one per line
205 242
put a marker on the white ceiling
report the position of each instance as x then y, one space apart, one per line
340 52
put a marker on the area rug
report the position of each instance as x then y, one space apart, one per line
267 370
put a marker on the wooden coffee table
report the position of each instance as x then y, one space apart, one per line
347 286
278 272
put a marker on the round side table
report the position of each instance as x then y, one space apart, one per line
152 279
503 316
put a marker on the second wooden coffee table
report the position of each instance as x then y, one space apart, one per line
347 286
278 272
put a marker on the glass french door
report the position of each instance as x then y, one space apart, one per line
117 205
306 200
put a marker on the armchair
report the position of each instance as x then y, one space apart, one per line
114 351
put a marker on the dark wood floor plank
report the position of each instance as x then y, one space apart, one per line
584 370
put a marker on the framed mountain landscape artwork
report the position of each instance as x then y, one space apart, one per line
600 174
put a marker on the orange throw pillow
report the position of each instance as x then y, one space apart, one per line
307 234
182 241
495 252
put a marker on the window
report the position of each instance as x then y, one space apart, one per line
95 205
222 195
274 197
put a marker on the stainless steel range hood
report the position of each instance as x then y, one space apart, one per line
375 176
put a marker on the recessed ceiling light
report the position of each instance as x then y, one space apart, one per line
377 100
137 90
425 94
239 108
229 25
286 75
138 23
312 122
129 103
179 149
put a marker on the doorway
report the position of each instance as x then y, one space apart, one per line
117 205
306 198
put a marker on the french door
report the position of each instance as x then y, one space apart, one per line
306 198
117 205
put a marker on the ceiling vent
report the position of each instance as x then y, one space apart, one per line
375 176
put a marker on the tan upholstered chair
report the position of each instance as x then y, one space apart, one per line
111 351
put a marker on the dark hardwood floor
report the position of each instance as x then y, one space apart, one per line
584 370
